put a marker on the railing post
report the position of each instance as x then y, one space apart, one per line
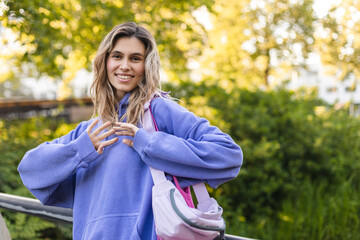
4 232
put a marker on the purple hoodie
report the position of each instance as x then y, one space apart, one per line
110 194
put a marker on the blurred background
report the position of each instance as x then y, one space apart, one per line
280 76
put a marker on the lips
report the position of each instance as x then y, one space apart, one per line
124 77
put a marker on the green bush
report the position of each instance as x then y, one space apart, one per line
17 137
299 155
299 179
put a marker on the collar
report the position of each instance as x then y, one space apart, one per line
124 102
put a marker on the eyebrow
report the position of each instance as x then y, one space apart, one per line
132 54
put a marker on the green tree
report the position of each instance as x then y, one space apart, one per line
253 41
17 137
299 179
338 39
61 37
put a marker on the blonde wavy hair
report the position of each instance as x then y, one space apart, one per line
103 93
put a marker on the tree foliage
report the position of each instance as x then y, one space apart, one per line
338 40
17 137
299 179
298 153
253 42
300 175
62 36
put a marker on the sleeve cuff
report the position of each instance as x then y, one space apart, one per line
85 150
142 140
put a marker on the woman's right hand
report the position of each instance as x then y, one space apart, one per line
96 138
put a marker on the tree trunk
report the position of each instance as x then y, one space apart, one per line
267 69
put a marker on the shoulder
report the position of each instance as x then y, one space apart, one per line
173 118
80 128
165 104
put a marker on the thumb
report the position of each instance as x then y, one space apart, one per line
100 149
128 142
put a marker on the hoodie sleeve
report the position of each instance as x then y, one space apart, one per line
187 146
48 171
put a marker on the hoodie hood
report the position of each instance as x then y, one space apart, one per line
123 104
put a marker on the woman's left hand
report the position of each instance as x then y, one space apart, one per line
126 129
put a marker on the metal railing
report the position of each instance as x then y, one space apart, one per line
34 207
4 232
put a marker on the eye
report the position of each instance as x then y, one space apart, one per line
136 59
116 56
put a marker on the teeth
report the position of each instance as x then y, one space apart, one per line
123 76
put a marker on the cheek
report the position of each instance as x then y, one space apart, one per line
140 69
110 65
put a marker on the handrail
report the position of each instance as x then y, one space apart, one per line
64 215
34 207
4 232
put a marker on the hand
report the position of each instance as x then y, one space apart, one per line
96 138
126 129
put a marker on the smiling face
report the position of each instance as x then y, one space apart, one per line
125 65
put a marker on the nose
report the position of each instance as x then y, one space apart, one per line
124 65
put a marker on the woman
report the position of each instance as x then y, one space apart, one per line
107 182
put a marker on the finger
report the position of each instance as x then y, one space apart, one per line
124 130
105 144
121 129
102 127
109 142
125 125
106 134
128 142
92 125
125 133
100 149
128 126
